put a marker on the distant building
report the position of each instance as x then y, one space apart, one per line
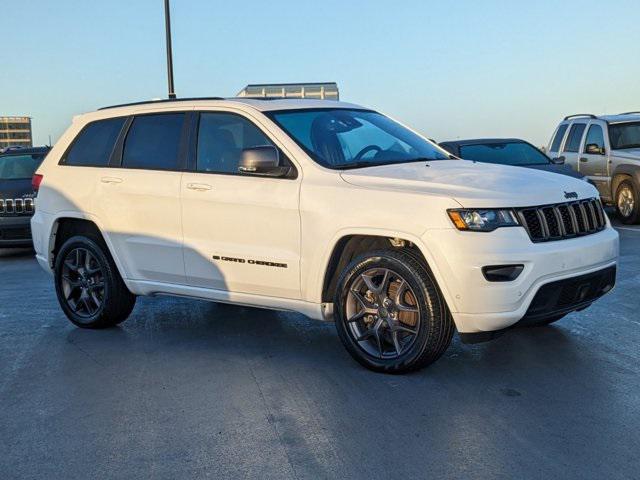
324 91
15 132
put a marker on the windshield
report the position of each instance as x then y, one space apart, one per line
505 153
341 138
18 167
624 135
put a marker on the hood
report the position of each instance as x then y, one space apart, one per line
473 184
20 188
630 153
554 168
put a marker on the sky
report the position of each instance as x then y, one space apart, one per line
449 69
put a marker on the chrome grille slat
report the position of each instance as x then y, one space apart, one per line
562 220
17 206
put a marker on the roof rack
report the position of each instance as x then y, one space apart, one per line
162 100
629 113
590 115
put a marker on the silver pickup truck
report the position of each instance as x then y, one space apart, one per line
606 149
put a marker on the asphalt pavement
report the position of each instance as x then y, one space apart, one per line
190 389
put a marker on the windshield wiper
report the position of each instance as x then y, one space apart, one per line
347 166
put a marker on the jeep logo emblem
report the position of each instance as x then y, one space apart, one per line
570 195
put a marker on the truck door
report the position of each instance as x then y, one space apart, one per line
571 150
594 159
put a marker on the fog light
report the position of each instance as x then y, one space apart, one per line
502 273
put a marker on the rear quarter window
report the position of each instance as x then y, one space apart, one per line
94 144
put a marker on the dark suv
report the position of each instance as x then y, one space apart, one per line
17 197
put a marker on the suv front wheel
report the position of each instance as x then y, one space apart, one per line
627 202
390 315
88 285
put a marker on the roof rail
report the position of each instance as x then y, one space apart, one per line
629 113
162 100
590 115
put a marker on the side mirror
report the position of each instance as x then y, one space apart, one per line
558 160
262 160
594 149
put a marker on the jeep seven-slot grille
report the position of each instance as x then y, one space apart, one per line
562 220
18 206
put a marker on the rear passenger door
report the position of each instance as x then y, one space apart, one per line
140 197
573 144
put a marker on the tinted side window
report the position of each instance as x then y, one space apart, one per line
153 142
94 144
575 135
221 139
595 136
557 140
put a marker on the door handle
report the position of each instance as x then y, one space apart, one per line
583 159
111 180
199 187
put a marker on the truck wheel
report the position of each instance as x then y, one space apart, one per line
628 202
390 315
88 285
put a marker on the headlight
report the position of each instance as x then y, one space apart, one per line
482 220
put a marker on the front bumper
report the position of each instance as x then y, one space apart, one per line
478 305
15 231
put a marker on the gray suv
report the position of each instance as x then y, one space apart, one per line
606 149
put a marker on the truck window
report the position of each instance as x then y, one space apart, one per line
575 135
557 140
594 136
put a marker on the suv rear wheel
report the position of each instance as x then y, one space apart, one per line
628 202
390 315
88 285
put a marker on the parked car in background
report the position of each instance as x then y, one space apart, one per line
606 149
17 202
507 151
320 207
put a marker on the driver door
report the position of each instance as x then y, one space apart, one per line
241 231
594 162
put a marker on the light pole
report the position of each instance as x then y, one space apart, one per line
167 25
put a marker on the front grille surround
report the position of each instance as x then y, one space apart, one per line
560 221
17 206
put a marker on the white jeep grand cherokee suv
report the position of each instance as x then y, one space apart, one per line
320 207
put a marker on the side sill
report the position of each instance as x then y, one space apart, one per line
315 311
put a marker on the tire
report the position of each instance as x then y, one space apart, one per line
414 326
107 301
628 202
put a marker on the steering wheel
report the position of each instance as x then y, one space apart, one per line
366 150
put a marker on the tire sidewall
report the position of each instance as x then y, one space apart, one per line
633 218
429 306
90 245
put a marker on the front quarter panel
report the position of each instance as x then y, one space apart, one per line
331 209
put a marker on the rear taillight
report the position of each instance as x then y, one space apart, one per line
36 180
